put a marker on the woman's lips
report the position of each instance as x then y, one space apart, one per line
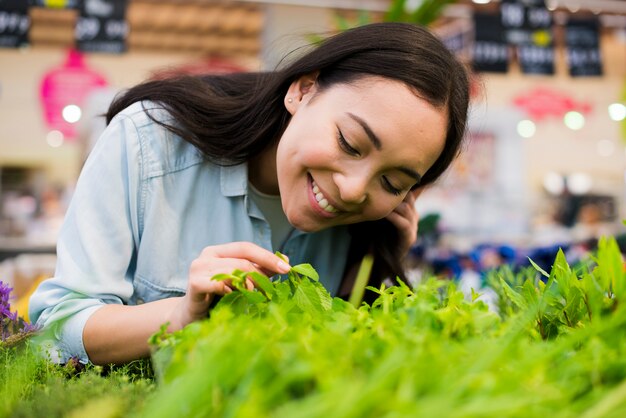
321 206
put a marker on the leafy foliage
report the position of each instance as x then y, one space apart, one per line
425 13
557 347
33 386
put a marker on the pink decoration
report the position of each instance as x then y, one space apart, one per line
65 85
543 102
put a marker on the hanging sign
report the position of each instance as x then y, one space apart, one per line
490 52
101 26
65 86
528 26
583 47
14 23
458 37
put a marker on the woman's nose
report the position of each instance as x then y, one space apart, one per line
352 188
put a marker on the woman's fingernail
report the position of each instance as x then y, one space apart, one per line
284 266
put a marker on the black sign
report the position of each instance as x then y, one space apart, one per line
14 23
583 47
528 26
101 26
490 52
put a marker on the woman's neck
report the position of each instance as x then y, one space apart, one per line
262 171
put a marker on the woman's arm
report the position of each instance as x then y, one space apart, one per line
96 243
119 333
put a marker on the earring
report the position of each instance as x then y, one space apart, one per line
289 100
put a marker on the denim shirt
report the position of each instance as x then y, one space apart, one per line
145 205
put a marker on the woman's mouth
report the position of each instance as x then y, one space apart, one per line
319 201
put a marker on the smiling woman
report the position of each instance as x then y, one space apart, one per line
201 175
361 145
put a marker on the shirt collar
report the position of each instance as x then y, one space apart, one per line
234 180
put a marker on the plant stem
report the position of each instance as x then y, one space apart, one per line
569 323
362 278
586 300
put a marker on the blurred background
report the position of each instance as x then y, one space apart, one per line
545 163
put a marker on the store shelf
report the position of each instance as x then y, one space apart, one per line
229 28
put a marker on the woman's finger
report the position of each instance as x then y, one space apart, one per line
248 251
399 221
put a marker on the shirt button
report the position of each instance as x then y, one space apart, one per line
140 301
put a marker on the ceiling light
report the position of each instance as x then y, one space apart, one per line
71 113
579 183
554 183
617 112
55 138
574 120
526 128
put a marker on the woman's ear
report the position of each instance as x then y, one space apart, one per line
300 91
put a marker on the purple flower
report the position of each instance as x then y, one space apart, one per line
11 326
5 306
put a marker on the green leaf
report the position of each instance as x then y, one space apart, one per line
364 18
235 300
539 269
253 297
281 256
223 276
326 301
306 270
282 291
264 284
514 296
308 299
611 265
395 11
237 278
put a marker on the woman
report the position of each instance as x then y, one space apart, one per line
195 176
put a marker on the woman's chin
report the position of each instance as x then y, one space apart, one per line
305 225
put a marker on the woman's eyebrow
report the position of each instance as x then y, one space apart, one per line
370 134
411 173
378 145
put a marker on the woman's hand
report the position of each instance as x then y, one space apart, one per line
405 218
225 258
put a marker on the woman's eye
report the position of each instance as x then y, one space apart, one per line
345 146
390 187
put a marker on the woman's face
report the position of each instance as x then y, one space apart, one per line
351 153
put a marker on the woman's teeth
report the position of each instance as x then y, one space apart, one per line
321 200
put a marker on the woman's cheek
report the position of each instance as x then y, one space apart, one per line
377 213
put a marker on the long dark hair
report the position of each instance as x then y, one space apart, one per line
232 118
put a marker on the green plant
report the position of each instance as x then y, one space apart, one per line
558 349
426 12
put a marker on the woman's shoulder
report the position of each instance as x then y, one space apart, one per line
145 112
163 150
